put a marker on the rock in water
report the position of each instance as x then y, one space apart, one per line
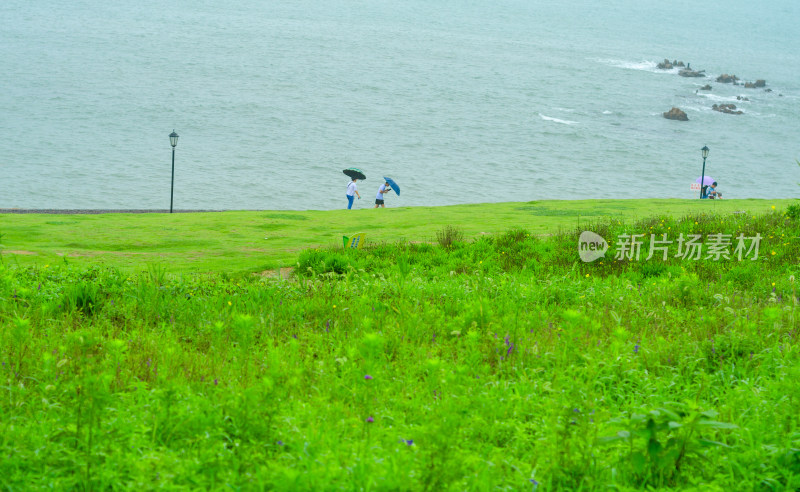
676 114
726 108
688 72
727 79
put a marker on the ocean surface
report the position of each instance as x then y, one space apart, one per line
466 101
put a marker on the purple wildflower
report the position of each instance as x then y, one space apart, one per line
408 442
636 349
370 419
367 377
216 382
510 349
280 443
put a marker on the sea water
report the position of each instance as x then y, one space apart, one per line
460 101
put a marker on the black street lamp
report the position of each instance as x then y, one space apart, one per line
702 176
173 140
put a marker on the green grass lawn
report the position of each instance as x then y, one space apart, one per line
499 361
258 241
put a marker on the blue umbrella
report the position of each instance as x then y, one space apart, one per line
394 185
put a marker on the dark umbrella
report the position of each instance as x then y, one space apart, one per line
354 173
394 185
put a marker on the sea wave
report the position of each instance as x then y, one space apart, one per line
715 97
647 66
556 120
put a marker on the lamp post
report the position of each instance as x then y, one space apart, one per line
702 176
173 140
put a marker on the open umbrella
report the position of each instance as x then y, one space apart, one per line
705 181
394 185
354 173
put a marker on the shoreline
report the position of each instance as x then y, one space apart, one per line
56 211
567 202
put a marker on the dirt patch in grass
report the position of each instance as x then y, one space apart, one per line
18 252
277 273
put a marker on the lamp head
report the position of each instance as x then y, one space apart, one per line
705 151
173 139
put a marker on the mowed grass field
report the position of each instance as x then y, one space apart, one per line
266 240
464 348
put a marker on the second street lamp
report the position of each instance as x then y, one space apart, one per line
702 175
173 140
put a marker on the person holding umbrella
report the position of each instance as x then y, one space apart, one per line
385 188
352 188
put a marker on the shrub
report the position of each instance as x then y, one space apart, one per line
793 211
449 235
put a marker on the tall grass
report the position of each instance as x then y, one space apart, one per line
498 363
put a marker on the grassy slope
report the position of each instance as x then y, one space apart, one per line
480 367
261 240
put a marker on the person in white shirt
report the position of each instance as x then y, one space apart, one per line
385 188
352 189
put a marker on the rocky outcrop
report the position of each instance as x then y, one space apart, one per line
687 72
728 79
755 85
669 65
741 98
676 114
706 87
726 108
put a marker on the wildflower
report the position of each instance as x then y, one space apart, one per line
773 284
334 306
280 443
773 253
408 442
370 419
367 377
216 382
773 207
636 349
587 275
